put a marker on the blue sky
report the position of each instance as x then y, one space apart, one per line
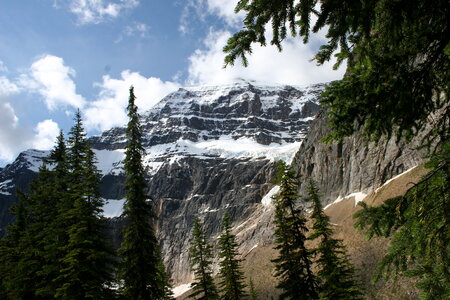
57 56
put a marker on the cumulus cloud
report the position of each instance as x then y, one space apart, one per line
292 66
10 134
7 87
46 133
225 10
109 109
53 80
97 11
202 8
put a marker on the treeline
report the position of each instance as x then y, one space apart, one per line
57 248
322 272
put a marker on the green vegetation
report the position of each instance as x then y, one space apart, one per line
396 82
231 277
56 247
335 272
200 254
141 271
294 263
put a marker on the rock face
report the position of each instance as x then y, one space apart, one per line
353 165
209 149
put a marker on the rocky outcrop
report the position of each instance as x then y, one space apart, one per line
353 165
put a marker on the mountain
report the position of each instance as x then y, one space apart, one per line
209 149
212 149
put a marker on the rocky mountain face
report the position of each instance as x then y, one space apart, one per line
354 166
208 149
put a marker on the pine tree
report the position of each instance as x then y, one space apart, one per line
335 272
293 264
200 254
85 271
141 270
232 286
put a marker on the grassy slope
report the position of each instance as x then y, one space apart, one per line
364 254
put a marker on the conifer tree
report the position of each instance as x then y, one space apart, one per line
200 255
17 271
141 267
293 265
85 271
335 272
232 286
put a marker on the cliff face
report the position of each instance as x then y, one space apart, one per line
353 165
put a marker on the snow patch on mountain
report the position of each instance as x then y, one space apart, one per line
113 208
110 162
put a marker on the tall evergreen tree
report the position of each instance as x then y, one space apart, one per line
232 286
141 270
85 264
293 265
200 254
335 272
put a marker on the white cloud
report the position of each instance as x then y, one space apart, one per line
202 8
12 137
7 87
46 133
15 138
109 109
292 66
136 29
3 68
97 11
225 10
54 82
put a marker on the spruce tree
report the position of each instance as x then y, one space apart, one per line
141 268
293 265
335 272
200 255
85 271
231 276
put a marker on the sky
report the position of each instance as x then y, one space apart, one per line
57 56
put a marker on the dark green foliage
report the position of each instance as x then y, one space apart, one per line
293 264
232 286
335 272
397 55
200 255
419 225
56 248
85 261
141 267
